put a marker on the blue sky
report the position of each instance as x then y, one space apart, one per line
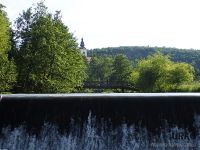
112 23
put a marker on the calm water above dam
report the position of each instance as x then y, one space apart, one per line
100 121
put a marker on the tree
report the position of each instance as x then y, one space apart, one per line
48 60
100 69
7 67
136 53
106 68
179 73
158 73
122 69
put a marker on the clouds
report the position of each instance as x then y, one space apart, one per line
103 23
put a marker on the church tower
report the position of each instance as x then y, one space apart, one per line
82 48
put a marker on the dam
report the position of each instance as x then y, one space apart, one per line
138 118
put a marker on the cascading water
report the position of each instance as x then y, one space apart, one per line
120 122
98 137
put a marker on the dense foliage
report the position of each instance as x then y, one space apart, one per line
46 54
7 66
122 69
158 73
48 58
109 69
42 56
136 53
100 69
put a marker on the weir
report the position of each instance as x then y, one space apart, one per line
150 110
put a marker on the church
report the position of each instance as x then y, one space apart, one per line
84 50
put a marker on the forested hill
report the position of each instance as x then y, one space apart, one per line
136 53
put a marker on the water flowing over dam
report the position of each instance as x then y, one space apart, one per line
100 121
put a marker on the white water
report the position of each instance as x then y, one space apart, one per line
99 137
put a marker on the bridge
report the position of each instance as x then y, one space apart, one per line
109 85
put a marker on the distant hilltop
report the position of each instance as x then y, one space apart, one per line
135 53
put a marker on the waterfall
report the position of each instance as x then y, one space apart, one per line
99 136
136 121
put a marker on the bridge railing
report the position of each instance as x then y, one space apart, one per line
108 85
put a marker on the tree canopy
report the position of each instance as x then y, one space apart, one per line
7 67
136 53
40 55
100 69
48 58
122 69
158 73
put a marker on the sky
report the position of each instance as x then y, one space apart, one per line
113 23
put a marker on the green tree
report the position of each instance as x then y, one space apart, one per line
7 67
136 53
158 73
93 71
180 73
100 69
122 69
48 60
107 68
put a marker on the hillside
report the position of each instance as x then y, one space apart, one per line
136 53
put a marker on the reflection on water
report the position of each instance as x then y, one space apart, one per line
101 136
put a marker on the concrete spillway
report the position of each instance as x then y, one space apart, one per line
149 110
